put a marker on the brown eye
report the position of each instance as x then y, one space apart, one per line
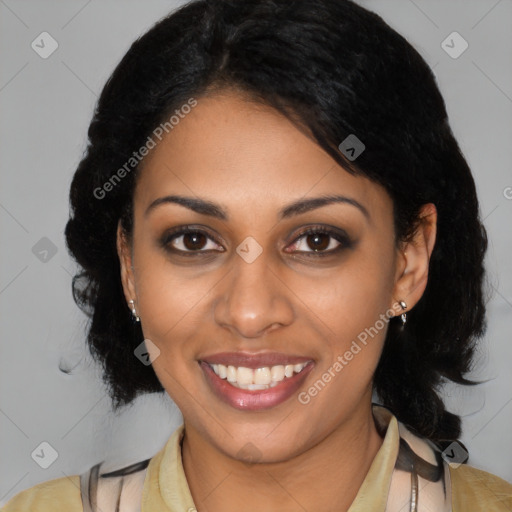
194 241
321 241
188 241
318 241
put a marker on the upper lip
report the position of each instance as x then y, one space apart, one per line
254 360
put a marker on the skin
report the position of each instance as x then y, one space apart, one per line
253 161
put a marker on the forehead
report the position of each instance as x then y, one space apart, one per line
241 153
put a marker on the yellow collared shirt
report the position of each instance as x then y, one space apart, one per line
162 485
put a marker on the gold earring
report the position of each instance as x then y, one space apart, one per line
134 311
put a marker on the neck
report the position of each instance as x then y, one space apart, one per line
326 477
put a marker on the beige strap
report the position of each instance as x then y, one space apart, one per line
421 483
117 491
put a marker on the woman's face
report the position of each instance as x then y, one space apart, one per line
247 282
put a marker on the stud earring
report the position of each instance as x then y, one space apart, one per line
403 316
134 311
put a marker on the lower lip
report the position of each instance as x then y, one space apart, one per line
254 400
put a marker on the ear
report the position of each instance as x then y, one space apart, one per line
412 268
125 259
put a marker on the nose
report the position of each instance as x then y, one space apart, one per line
253 299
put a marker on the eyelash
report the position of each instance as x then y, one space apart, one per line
338 235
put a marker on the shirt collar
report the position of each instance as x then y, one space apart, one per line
166 487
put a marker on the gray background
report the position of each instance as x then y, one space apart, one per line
46 107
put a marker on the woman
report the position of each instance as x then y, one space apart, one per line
275 223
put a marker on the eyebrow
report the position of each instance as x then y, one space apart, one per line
298 207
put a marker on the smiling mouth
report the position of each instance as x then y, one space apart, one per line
258 378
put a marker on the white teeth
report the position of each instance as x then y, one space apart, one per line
262 376
230 373
256 386
221 371
277 373
244 376
288 370
259 378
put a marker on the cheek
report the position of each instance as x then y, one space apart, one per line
358 326
172 311
355 306
354 296
171 303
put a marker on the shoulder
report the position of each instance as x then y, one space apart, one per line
473 487
43 497
90 491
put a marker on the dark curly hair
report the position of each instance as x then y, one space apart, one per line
335 69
